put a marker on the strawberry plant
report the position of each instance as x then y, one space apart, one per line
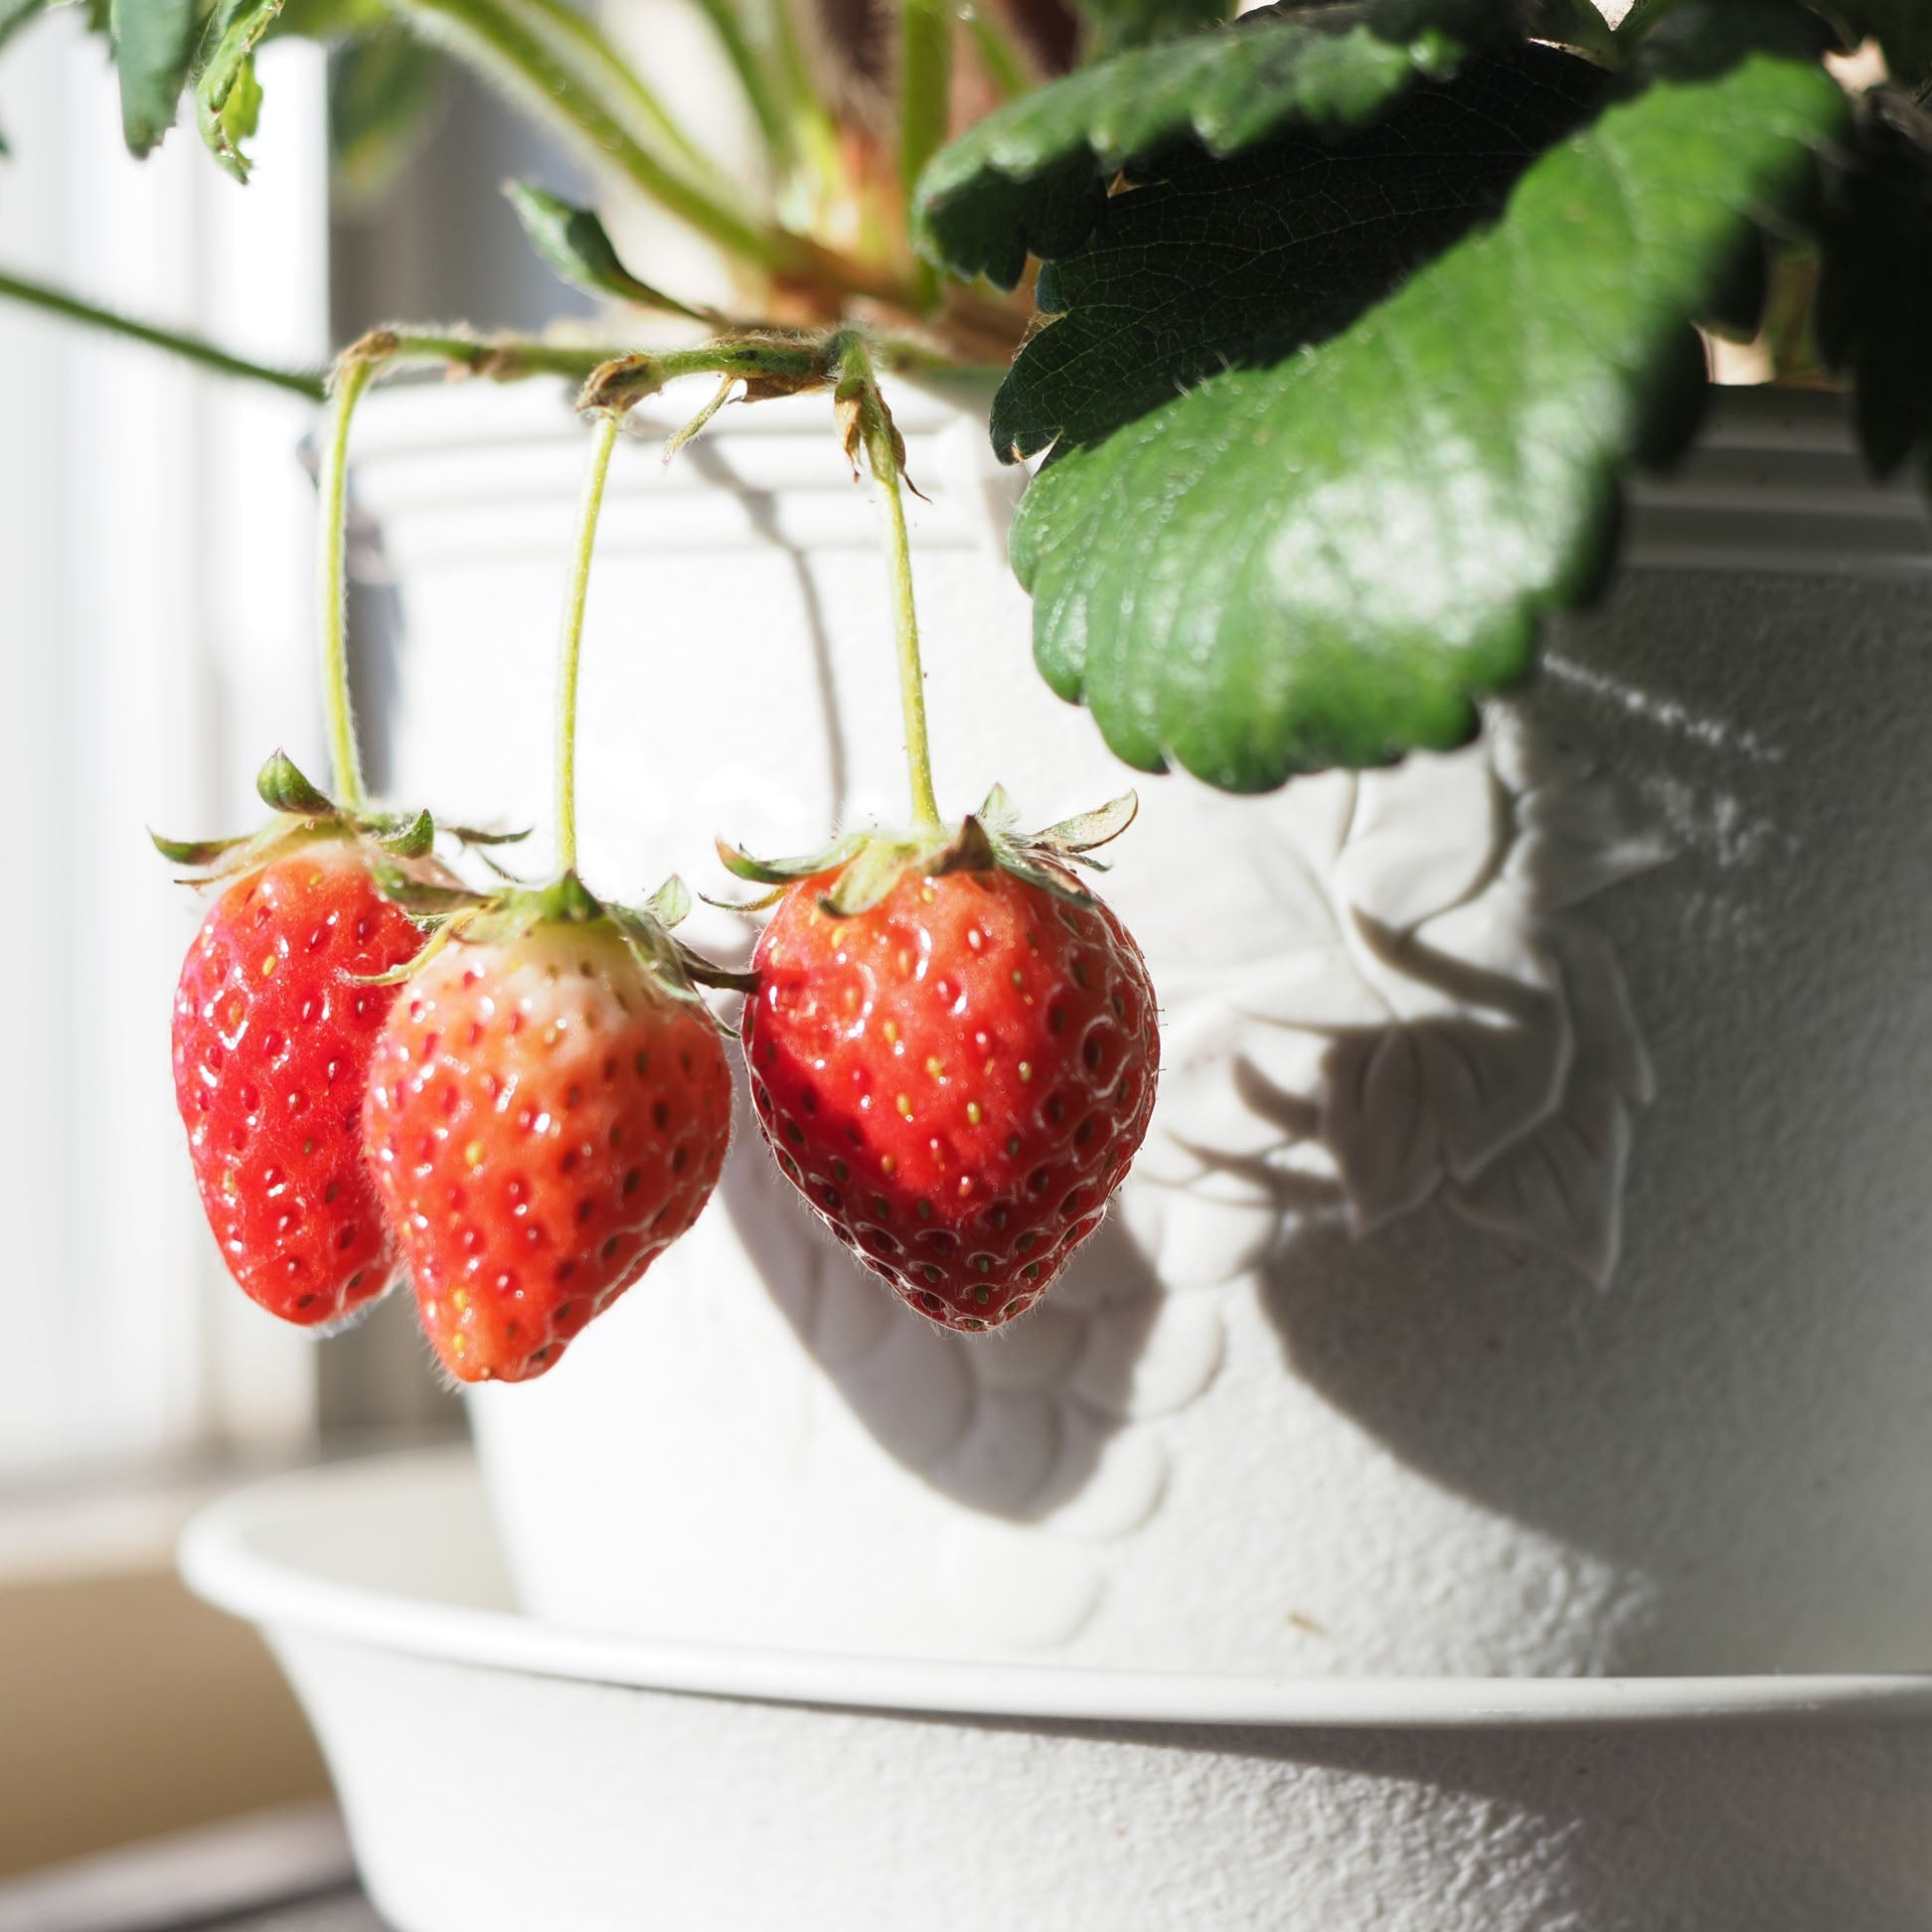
1333 331
1333 328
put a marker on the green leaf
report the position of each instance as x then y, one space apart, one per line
1116 24
386 89
155 49
227 99
280 786
1034 176
1327 561
573 242
1238 263
1903 28
1875 299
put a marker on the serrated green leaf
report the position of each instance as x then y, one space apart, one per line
1113 25
1232 264
386 89
227 99
155 49
1033 175
1327 561
1875 299
574 245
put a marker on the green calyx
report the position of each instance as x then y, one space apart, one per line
305 815
453 912
863 867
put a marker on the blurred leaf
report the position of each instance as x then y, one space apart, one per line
1113 25
332 19
385 91
155 49
1033 175
226 120
1226 265
1874 300
574 244
1327 561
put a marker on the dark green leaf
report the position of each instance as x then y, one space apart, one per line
1113 25
227 99
154 47
1325 563
1034 176
1874 301
386 89
573 242
1231 264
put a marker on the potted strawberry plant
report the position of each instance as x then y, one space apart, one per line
1527 938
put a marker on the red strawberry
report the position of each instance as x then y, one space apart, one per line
548 1112
957 1075
272 1043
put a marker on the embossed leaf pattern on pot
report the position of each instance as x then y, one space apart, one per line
1419 1010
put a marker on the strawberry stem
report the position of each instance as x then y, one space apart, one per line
603 442
867 420
353 375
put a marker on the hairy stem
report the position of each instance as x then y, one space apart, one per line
868 422
194 349
354 373
570 650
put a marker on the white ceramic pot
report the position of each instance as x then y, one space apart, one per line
500 1775
1528 1269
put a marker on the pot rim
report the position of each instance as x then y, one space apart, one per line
228 1556
1774 483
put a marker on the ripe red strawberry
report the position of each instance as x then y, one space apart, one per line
272 1043
956 1076
547 1114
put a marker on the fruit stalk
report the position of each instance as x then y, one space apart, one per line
353 375
869 421
570 650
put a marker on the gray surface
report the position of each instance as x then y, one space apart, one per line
285 1870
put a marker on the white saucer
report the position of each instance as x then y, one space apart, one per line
498 1773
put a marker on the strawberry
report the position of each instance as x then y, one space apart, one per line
548 1112
953 1052
272 1034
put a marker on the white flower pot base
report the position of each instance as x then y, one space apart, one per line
500 1774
